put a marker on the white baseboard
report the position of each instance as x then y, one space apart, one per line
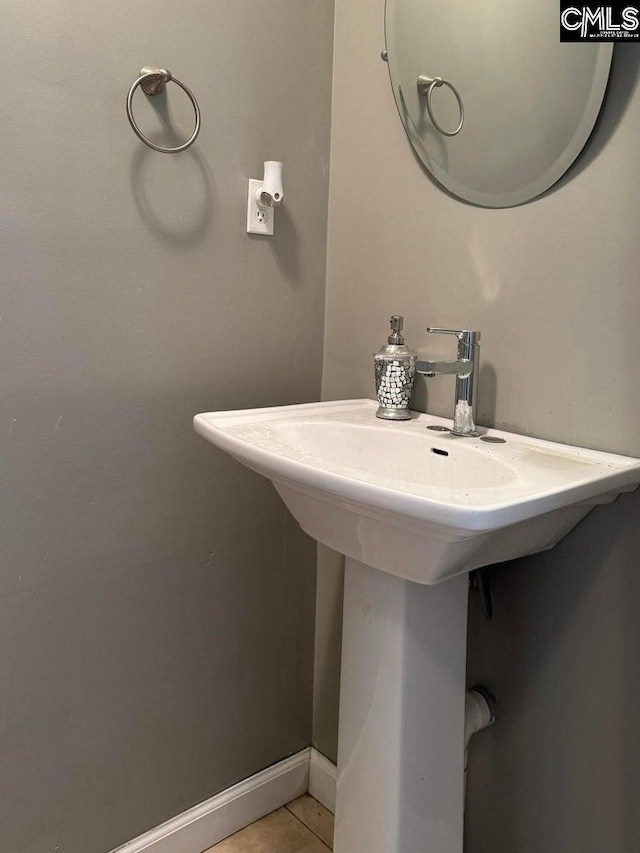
204 825
322 780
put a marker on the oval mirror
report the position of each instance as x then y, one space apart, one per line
526 101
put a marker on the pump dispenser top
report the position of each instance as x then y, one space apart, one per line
396 337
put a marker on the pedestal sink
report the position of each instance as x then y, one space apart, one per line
410 506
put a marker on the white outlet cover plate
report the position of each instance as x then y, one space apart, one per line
259 219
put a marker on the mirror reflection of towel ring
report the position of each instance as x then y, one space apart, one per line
152 81
426 85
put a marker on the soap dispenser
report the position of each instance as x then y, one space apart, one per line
395 368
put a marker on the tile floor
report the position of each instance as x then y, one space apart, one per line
303 826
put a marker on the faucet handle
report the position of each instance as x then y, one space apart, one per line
463 335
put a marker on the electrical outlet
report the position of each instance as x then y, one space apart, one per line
259 219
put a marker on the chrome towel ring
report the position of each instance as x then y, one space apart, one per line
426 85
152 81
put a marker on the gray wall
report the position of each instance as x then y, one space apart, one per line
553 286
156 601
559 771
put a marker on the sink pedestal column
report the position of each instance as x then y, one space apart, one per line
402 700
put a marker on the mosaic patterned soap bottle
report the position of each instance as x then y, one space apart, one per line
395 368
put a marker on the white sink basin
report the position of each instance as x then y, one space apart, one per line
418 504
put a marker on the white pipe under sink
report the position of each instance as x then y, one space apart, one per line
479 714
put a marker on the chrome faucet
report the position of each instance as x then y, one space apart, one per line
466 369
